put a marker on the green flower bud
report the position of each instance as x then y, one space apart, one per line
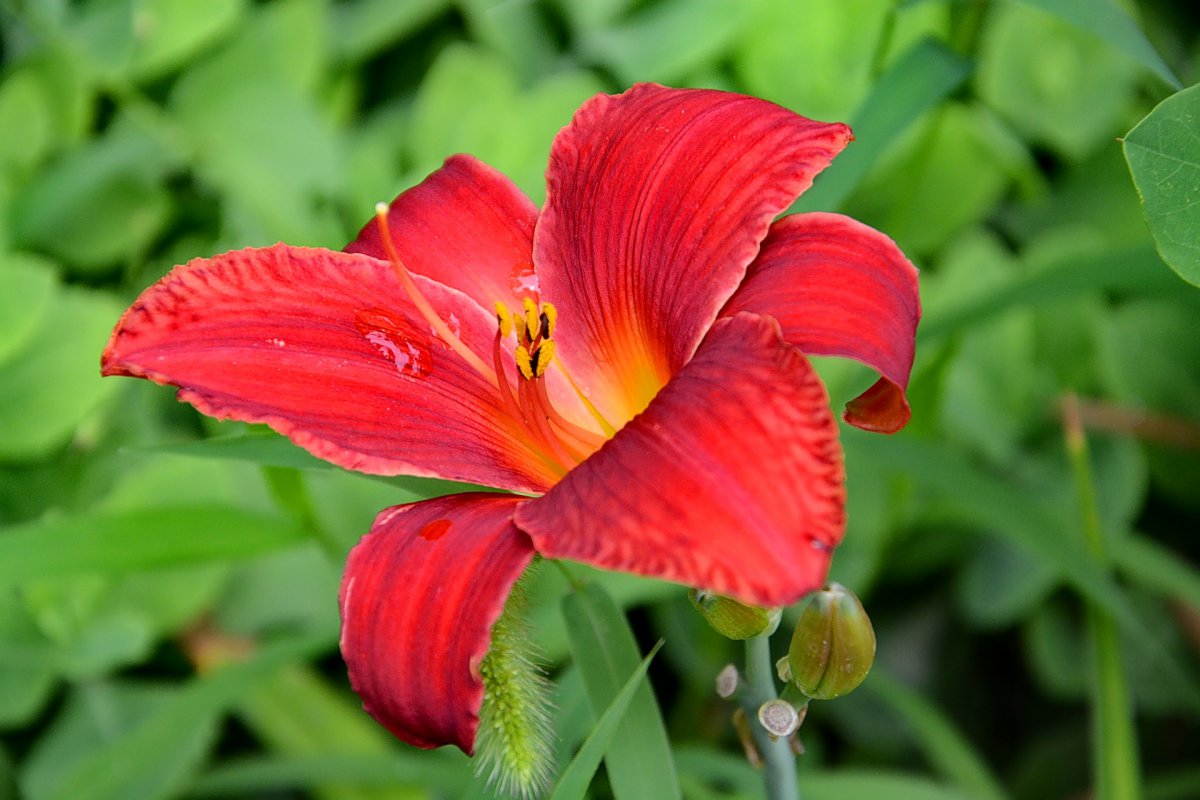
732 619
833 645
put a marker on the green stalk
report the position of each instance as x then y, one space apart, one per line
779 763
1116 771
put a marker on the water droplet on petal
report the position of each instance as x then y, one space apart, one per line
524 281
432 531
453 324
396 340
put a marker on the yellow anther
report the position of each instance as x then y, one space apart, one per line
504 318
532 323
542 357
524 363
549 319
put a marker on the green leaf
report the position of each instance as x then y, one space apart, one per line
1110 22
51 384
26 117
668 40
1163 151
916 82
574 781
857 784
639 762
27 290
120 543
445 769
152 759
945 747
362 29
169 32
1157 568
1056 83
297 714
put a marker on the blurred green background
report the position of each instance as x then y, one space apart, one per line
168 617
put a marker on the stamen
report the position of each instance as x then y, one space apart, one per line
439 326
533 324
604 424
540 421
504 319
524 363
549 320
589 440
542 357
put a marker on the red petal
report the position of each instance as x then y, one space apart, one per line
466 226
731 480
326 348
841 288
419 598
657 201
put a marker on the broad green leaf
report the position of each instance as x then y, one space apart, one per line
945 747
638 763
298 715
519 31
1057 84
121 543
575 779
153 757
1150 362
28 287
812 56
1163 151
362 29
169 32
1106 19
293 589
108 194
859 784
952 153
915 82
666 41
25 117
54 381
1157 568
446 770
584 15
1002 583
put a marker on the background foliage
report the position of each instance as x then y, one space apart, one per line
168 622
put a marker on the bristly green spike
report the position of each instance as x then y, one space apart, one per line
514 743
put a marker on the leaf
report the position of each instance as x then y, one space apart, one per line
668 40
639 762
1110 22
169 32
151 760
574 781
447 770
362 29
916 82
52 384
120 543
945 747
27 290
1057 84
1163 151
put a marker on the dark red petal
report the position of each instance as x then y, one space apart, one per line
657 201
731 480
327 349
841 288
466 226
419 598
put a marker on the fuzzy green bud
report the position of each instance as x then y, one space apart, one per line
833 645
732 619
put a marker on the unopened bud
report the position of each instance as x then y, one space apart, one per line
833 645
727 682
732 619
779 717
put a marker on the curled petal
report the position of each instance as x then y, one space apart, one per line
327 349
419 598
841 288
731 480
466 226
657 200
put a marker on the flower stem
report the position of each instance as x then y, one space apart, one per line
1114 740
779 763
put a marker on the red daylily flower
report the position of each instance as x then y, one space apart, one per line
654 412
